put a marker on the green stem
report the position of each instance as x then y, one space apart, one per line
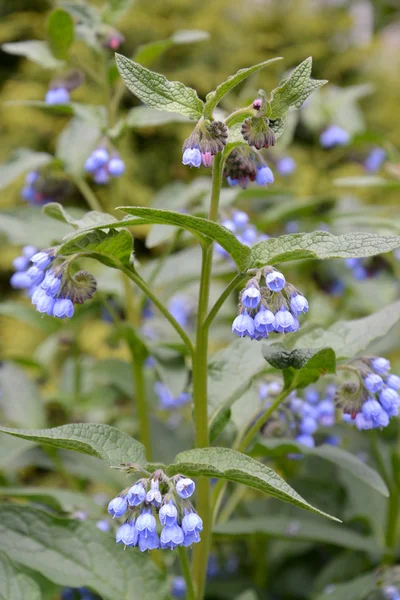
135 277
88 194
190 593
237 113
141 403
200 374
225 294
392 523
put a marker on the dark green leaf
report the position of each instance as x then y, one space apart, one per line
302 529
37 51
157 92
20 399
235 466
358 589
64 500
102 441
221 420
215 97
105 247
320 245
19 163
302 367
14 583
60 32
74 553
340 458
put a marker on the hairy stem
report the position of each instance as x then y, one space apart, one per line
200 373
190 592
88 194
225 294
141 403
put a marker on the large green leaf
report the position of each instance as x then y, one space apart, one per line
58 499
214 98
20 400
320 245
234 466
74 553
19 162
105 442
301 367
60 32
15 584
298 528
197 225
350 338
105 247
36 50
157 92
342 459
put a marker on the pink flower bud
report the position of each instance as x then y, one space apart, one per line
257 104
206 159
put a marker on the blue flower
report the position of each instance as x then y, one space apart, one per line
51 283
90 164
20 280
146 523
232 182
363 422
36 275
43 302
153 496
185 487
264 176
371 409
101 176
393 381
374 160
243 325
103 525
171 536
192 524
127 534
284 321
191 537
116 166
240 218
136 494
311 394
149 542
306 440
249 235
373 383
63 308
42 260
380 365
308 426
251 297
286 166
192 157
326 413
264 321
58 95
298 304
229 224
275 281
180 308
334 136
178 587
117 507
168 514
390 400
100 157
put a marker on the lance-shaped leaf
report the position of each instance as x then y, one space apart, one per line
320 245
36 50
301 367
14 583
105 442
294 90
342 459
214 98
76 554
234 466
60 32
109 248
157 91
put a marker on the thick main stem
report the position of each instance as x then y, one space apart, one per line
200 373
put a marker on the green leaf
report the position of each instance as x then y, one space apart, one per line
301 367
147 54
197 225
64 500
350 338
235 466
358 589
114 10
37 51
277 126
320 245
29 226
294 90
157 92
28 315
219 423
102 441
88 221
74 553
14 583
215 97
75 143
296 528
60 32
19 163
142 116
342 459
105 247
20 401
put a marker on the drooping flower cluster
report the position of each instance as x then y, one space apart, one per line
207 139
163 496
257 132
273 307
102 165
167 400
334 136
302 413
244 165
375 400
46 278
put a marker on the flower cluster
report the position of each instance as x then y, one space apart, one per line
167 400
48 283
166 497
300 415
101 165
207 139
257 132
371 404
238 223
334 136
273 307
244 165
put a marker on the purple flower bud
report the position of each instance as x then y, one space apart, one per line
20 280
101 176
389 399
100 157
251 297
206 158
249 235
117 507
308 426
30 179
28 193
185 487
232 182
298 304
90 165
380 365
63 308
41 260
373 383
45 304
191 522
257 104
240 218
374 160
243 325
275 281
393 381
191 537
192 157
264 176
116 166
371 408
20 263
103 525
36 275
306 440
57 96
286 166
334 136
51 283
178 587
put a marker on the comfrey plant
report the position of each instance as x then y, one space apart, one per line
156 508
